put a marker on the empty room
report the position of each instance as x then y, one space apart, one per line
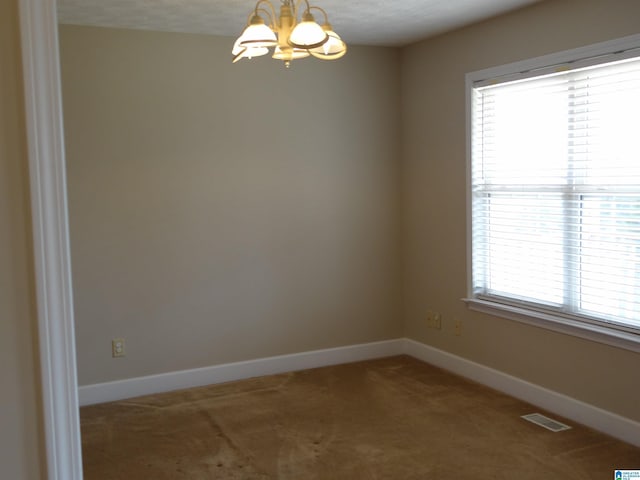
407 250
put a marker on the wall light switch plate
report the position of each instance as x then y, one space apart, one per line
437 321
457 327
429 319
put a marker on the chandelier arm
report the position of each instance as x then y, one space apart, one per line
297 7
326 17
268 14
271 12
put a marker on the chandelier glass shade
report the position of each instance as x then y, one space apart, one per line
293 34
332 49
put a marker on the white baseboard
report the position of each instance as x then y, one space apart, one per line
615 425
165 382
602 420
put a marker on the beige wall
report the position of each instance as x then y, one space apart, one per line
226 212
432 176
201 244
21 449
434 208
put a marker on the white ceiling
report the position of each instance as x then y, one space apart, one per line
359 22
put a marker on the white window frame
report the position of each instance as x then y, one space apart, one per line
512 71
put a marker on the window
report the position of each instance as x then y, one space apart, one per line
554 196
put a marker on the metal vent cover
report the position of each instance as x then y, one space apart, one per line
546 422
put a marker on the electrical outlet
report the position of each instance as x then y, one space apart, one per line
429 319
457 327
117 347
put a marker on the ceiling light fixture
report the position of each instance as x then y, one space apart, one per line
291 38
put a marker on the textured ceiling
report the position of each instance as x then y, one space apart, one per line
360 22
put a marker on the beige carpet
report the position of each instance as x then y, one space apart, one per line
394 418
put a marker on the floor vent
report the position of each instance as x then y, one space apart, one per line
546 422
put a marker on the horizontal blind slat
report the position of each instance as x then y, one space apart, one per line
555 184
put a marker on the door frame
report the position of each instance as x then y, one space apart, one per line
52 261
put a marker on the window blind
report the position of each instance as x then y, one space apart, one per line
555 193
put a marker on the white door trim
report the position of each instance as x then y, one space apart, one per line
43 105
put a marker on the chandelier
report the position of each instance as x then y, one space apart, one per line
290 38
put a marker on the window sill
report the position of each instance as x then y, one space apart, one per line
615 338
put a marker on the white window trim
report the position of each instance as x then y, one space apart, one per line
596 333
556 323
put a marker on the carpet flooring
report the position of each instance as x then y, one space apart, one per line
392 418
